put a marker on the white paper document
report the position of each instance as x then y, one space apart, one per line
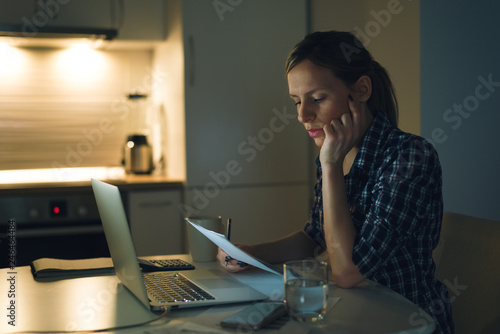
234 252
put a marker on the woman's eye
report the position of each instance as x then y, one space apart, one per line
319 100
297 103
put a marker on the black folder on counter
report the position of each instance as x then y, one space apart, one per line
48 268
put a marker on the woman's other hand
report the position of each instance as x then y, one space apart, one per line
342 134
230 264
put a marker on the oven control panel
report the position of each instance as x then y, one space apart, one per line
49 209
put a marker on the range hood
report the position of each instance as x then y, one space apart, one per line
56 32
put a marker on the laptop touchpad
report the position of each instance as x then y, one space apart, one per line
220 283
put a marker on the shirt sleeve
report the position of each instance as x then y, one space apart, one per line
314 227
404 197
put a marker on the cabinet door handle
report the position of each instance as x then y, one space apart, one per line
190 57
155 204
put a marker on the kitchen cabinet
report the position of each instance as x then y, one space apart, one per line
75 231
134 20
237 103
36 14
142 20
247 156
156 223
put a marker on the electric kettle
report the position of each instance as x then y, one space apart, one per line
137 155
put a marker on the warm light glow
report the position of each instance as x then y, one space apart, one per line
11 60
130 144
60 175
81 63
4 46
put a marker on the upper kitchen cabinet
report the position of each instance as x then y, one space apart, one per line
240 121
233 133
225 60
142 20
133 19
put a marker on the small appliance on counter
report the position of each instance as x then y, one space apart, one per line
138 155
137 151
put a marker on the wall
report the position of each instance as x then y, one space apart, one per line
438 54
460 99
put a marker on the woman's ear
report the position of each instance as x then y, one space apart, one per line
363 88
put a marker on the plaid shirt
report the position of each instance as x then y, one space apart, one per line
394 193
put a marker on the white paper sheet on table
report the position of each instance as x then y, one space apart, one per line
234 252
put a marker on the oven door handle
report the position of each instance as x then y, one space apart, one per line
58 231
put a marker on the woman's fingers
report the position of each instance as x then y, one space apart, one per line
230 264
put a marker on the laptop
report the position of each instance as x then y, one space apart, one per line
209 287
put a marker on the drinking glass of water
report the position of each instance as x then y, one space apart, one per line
306 290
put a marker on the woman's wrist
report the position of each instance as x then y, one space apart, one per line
332 169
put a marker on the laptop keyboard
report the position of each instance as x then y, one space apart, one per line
173 287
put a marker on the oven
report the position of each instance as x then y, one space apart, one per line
62 224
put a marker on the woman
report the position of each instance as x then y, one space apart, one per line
378 201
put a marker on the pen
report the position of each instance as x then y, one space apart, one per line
228 237
228 229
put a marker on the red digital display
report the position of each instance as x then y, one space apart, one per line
58 209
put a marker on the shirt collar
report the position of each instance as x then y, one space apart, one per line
372 142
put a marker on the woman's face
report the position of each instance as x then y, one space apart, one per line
319 96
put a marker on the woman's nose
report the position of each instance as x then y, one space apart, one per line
305 114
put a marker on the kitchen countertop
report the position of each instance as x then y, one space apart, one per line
125 183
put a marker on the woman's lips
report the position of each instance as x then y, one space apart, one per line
313 133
